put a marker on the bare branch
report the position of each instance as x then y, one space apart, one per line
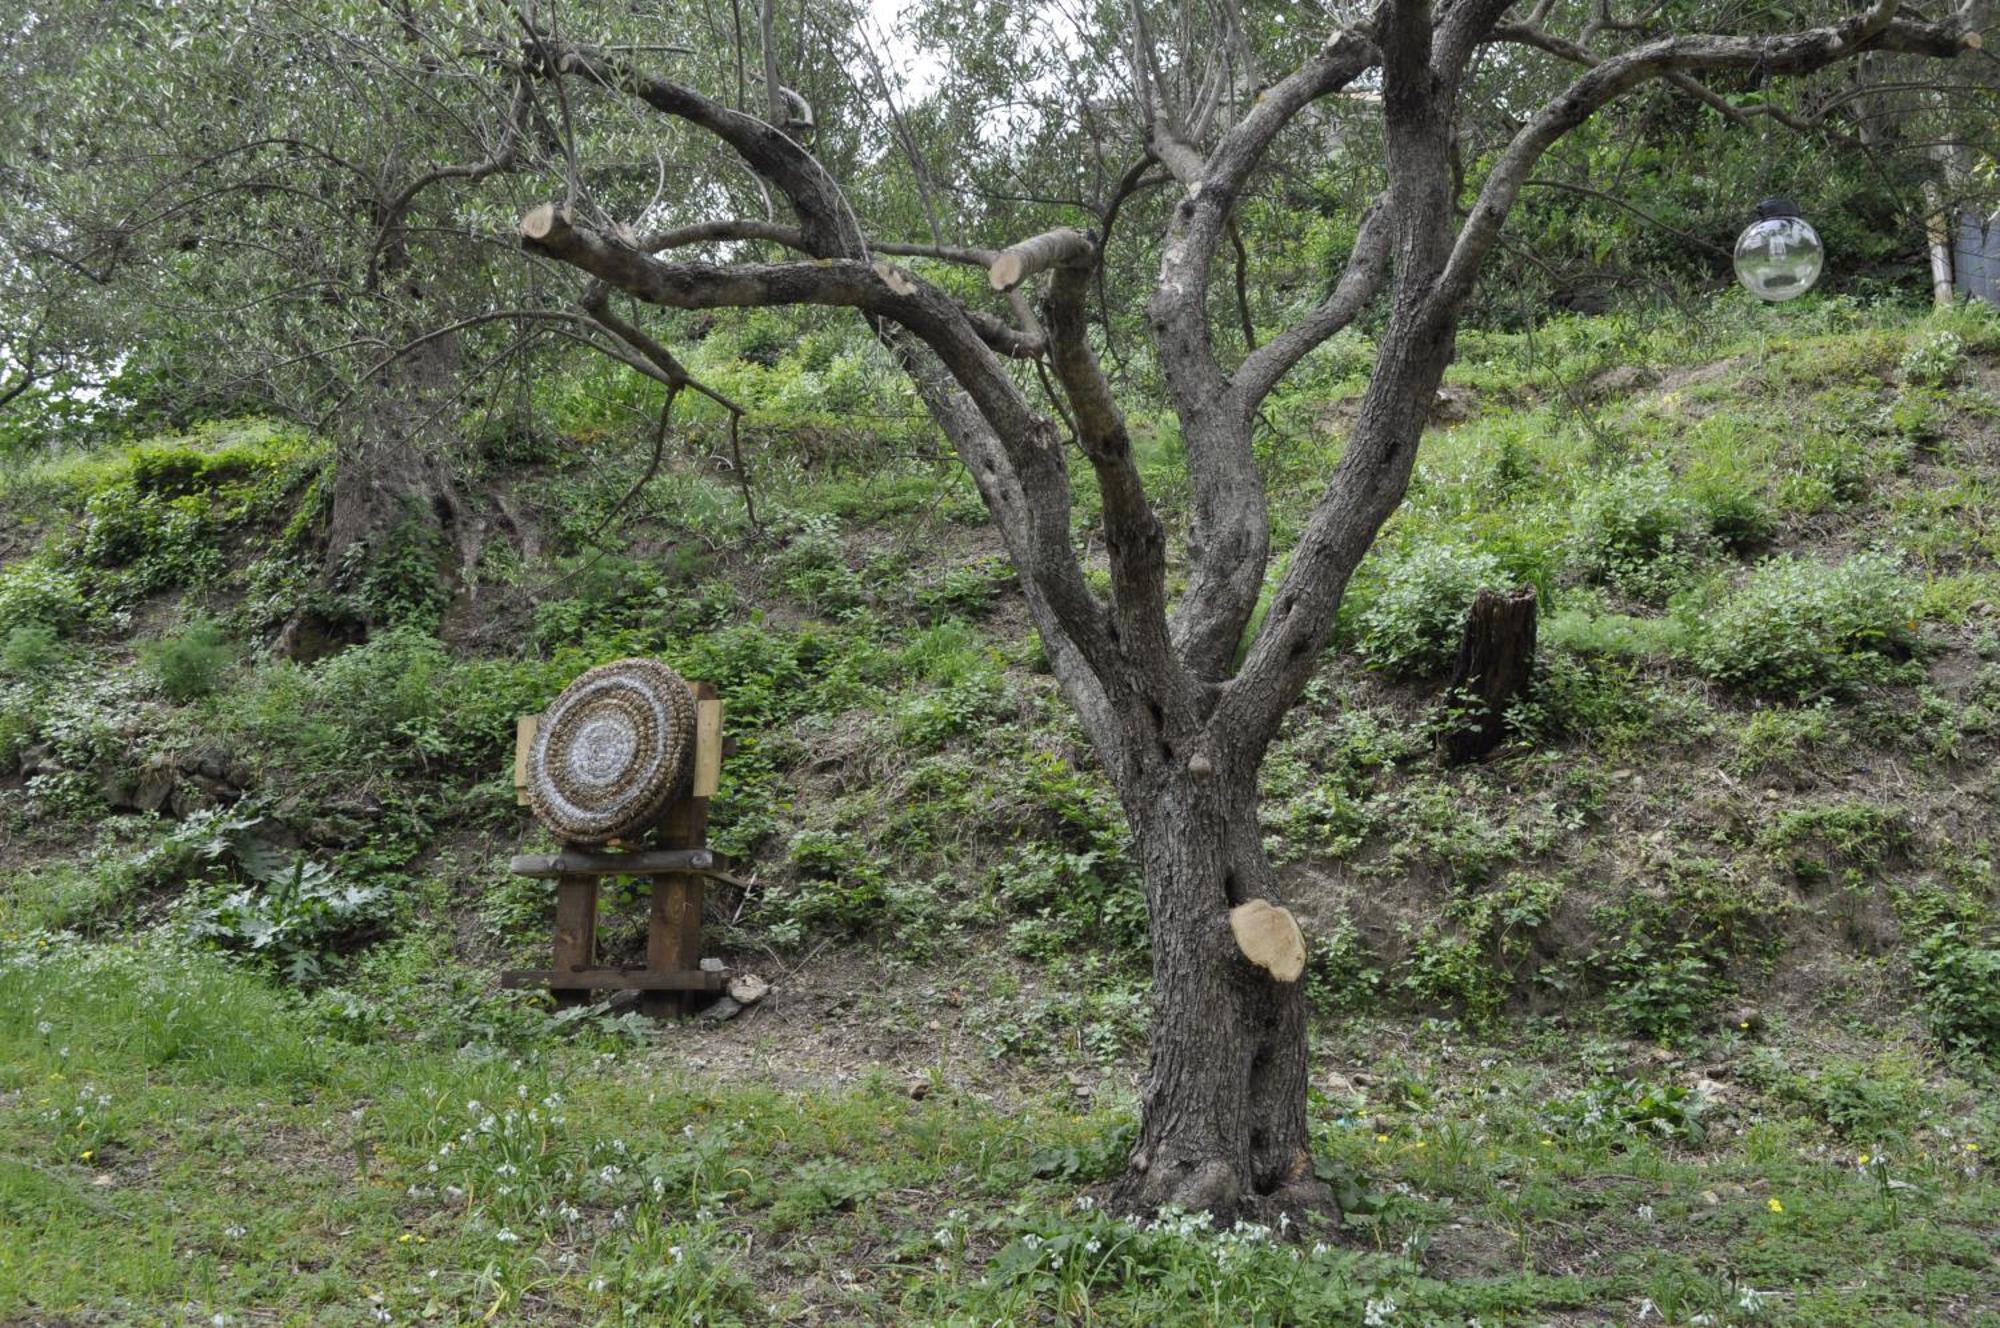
767 36
826 223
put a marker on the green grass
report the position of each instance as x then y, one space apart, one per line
1746 814
178 1141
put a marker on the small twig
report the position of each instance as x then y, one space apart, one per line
652 466
742 471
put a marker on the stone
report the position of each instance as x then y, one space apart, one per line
724 1008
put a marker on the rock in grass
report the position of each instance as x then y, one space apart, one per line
724 1008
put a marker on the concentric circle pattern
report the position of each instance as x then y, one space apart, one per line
612 751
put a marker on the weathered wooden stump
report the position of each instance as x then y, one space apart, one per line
1496 664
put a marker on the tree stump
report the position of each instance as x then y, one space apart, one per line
1496 662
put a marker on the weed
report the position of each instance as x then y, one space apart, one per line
1413 626
31 652
1797 627
1936 359
1639 533
190 664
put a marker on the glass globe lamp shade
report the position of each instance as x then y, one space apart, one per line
1778 256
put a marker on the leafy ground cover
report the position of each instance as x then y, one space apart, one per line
1683 1008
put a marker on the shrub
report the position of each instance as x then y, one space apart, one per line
1343 975
763 338
1797 627
841 884
188 666
160 541
403 582
1958 971
1639 533
1738 517
36 592
813 569
30 651
1414 625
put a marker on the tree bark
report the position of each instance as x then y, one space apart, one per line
1496 662
1223 1128
390 466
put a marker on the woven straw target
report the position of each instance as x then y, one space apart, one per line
612 752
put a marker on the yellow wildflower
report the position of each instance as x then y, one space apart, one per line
1774 1205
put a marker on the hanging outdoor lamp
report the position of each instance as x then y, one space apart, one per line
1778 256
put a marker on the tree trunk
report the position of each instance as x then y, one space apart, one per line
1938 227
1496 662
1224 1118
391 467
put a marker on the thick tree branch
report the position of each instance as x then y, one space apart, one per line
1016 263
1135 541
1229 530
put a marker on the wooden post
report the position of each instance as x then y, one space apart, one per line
673 930
576 934
1496 662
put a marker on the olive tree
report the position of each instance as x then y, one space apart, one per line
1179 710
287 209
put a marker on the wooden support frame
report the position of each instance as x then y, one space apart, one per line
672 980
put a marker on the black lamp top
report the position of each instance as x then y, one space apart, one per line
1777 207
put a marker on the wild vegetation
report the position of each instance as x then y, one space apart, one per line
1717 923
1681 1006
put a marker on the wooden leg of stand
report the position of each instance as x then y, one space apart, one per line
673 940
673 935
576 933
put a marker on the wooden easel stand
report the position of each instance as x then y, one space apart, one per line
672 980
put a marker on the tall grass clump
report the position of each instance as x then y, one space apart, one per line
192 1017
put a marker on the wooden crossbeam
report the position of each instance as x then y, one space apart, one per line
640 862
633 978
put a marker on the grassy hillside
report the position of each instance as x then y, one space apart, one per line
1689 997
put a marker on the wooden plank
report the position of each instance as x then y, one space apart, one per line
524 742
576 933
633 978
673 932
707 748
584 862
